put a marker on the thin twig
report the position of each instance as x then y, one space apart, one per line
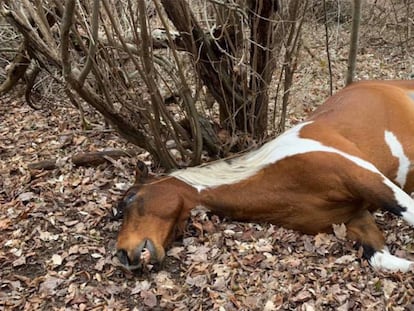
327 48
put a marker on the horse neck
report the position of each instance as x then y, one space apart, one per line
227 201
252 199
189 195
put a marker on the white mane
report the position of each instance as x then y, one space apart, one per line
240 168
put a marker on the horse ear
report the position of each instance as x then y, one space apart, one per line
141 172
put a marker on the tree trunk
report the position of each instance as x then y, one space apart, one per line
353 46
263 63
239 110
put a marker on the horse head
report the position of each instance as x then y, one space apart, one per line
154 214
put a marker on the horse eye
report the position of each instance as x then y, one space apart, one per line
118 212
129 198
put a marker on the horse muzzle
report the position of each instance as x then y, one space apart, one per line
136 259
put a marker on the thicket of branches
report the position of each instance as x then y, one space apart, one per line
172 77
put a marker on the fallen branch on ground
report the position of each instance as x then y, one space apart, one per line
84 159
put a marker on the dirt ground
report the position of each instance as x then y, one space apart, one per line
57 234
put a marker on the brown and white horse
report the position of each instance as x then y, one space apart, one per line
352 156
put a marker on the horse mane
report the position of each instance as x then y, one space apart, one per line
236 169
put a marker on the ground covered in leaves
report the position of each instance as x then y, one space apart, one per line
57 240
57 234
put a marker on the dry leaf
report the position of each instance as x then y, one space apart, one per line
26 196
339 231
175 252
100 264
302 296
77 140
49 285
263 245
269 306
140 286
57 260
5 224
345 259
344 307
19 261
322 239
149 298
308 307
388 287
74 249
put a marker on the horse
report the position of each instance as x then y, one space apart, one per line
352 156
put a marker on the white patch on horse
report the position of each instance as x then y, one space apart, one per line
411 95
408 215
286 145
383 260
397 151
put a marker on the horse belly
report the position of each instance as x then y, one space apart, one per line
313 219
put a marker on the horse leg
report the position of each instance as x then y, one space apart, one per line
375 188
404 204
363 229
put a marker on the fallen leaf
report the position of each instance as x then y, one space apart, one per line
96 255
339 231
57 260
5 224
308 307
175 252
344 307
140 286
345 259
321 239
388 287
78 140
302 296
149 298
263 245
74 249
49 285
19 261
26 196
100 264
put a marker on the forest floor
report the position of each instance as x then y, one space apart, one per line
58 237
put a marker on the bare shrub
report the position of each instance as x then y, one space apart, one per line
183 79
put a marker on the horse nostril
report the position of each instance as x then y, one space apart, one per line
123 257
145 253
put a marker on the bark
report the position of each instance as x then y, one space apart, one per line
297 10
16 71
216 69
262 61
84 159
353 46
